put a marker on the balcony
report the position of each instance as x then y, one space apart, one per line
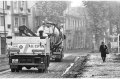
15 11
2 31
21 11
1 11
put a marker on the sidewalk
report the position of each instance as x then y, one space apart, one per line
4 63
95 68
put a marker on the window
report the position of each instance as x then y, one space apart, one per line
15 4
23 21
1 20
75 24
23 4
16 22
8 7
28 10
9 26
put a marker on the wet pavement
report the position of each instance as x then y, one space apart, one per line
4 64
95 68
4 61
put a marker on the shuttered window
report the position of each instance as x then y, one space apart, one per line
1 20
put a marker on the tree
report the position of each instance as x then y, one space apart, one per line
52 10
98 12
114 16
103 15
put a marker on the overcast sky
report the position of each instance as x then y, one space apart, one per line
76 3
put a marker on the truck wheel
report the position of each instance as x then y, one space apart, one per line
58 60
45 70
12 70
40 70
28 67
17 70
48 61
20 68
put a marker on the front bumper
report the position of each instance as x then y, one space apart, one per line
55 56
15 65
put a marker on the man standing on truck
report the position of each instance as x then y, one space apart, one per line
42 30
22 30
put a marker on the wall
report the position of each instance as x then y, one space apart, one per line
31 6
77 36
75 32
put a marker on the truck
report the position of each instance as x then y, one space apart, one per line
56 40
28 50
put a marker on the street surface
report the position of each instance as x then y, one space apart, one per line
95 68
55 70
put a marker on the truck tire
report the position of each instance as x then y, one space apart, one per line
48 60
28 67
46 68
17 69
40 70
58 59
20 67
12 70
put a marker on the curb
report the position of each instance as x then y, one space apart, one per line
76 67
5 68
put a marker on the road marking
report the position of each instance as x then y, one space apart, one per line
71 64
76 58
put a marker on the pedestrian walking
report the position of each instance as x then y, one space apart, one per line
104 50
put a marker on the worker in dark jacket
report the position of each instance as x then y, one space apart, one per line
103 49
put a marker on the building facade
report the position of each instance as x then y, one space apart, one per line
31 20
75 28
16 14
19 15
3 30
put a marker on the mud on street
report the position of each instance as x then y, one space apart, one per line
55 70
95 68
74 65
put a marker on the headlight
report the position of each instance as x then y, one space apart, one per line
14 60
56 52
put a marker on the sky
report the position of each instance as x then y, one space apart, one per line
76 3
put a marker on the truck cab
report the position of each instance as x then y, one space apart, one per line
29 51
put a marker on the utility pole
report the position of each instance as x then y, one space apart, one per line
4 18
4 23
